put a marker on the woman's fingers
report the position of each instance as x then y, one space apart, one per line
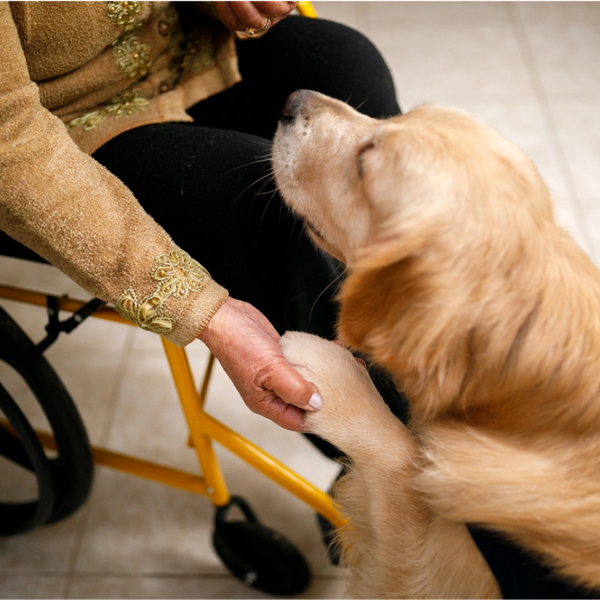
239 16
248 15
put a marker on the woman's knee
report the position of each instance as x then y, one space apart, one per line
335 60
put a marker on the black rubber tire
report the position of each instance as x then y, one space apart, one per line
260 557
72 469
28 452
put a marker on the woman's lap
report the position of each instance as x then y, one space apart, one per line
213 192
300 53
209 184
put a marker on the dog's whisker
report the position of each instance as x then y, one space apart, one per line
333 282
263 159
266 179
361 104
268 203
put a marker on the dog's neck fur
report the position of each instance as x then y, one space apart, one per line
455 347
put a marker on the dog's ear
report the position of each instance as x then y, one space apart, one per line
393 308
369 296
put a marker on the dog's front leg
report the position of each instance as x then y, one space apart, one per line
395 546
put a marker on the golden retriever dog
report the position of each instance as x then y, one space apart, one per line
487 314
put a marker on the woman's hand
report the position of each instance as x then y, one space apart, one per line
245 343
238 16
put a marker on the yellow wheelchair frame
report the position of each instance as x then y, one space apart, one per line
203 428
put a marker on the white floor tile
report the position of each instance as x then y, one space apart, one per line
565 54
148 419
429 60
27 586
138 526
348 13
186 587
403 16
573 221
577 123
43 551
555 14
564 39
38 277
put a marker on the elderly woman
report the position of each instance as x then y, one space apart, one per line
134 155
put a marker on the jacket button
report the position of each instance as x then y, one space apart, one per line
164 28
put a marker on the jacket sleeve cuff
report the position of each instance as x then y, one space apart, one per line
184 300
199 313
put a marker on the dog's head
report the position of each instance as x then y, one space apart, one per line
437 217
362 183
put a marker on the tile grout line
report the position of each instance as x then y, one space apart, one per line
163 575
103 440
539 91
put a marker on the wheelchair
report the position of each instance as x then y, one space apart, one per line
63 460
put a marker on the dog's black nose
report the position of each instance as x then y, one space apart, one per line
292 105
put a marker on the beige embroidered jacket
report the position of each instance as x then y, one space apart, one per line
72 76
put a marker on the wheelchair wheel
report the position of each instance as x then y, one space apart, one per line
64 481
27 452
258 556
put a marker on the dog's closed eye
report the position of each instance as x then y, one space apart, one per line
360 157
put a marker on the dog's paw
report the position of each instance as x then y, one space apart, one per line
350 400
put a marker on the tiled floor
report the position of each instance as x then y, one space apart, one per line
530 70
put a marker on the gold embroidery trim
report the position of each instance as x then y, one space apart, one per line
177 275
176 44
133 57
126 104
177 36
200 50
171 15
123 13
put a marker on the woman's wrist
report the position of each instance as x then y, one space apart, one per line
246 345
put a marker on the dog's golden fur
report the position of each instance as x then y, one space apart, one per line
486 312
